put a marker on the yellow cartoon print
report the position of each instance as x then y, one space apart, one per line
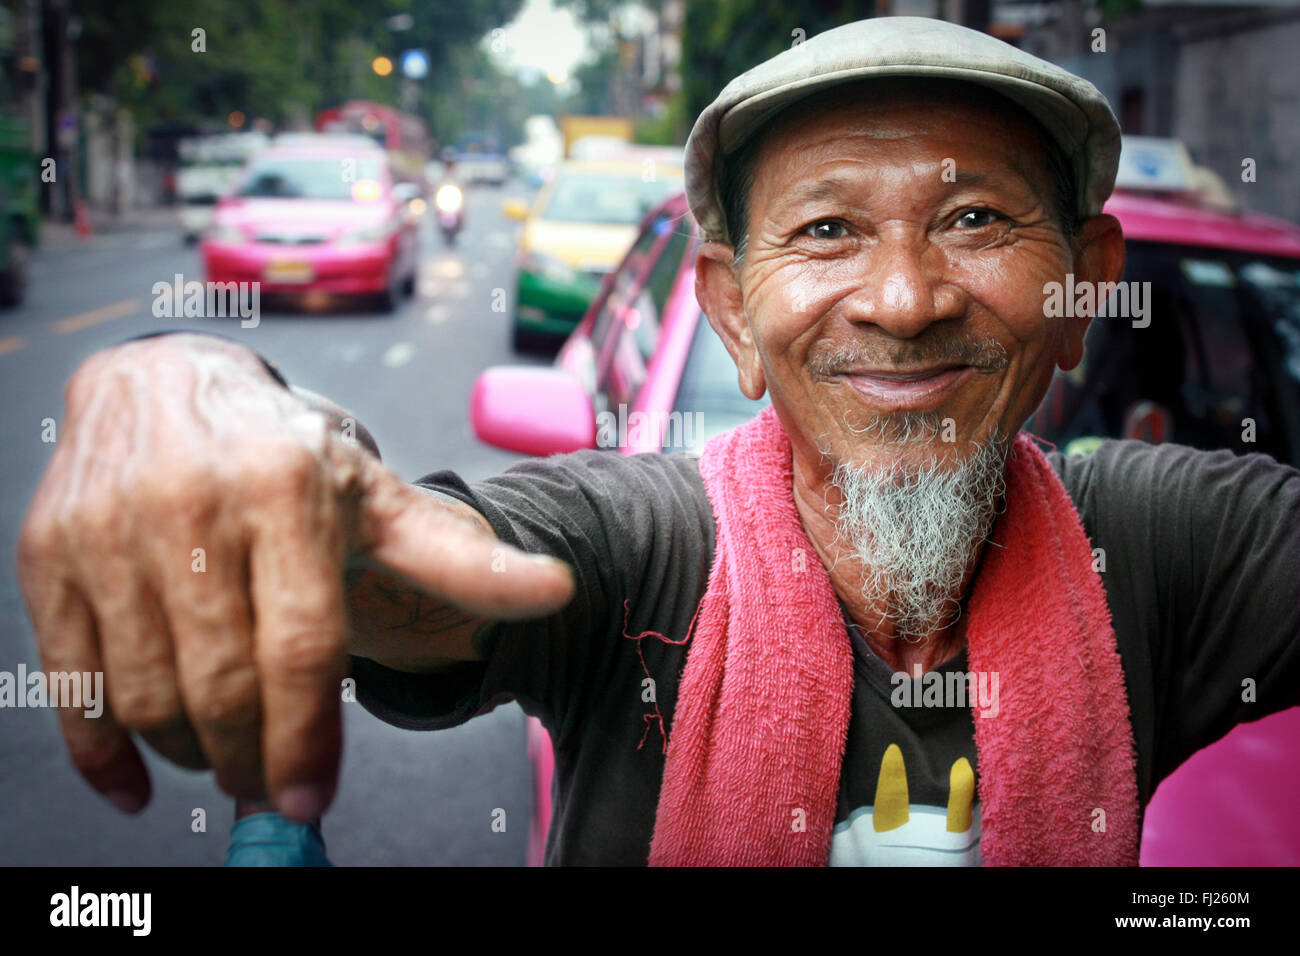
896 832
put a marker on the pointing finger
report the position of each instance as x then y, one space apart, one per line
421 539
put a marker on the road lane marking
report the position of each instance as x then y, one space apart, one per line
105 313
398 354
448 268
12 344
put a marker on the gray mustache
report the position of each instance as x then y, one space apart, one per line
986 354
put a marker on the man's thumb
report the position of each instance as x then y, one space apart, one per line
435 545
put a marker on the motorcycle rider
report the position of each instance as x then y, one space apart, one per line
449 206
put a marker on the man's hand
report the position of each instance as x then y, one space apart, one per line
189 539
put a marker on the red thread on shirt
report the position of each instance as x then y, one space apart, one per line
655 716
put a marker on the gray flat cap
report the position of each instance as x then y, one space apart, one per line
1071 109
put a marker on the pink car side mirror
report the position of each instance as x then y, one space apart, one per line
537 411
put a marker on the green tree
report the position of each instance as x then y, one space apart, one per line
723 38
280 59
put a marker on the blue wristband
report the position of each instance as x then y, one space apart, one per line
268 839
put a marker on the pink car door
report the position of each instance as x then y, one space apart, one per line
1233 803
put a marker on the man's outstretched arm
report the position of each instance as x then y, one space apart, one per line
395 622
190 539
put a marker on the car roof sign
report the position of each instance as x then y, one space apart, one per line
1154 163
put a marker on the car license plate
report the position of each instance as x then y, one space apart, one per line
288 272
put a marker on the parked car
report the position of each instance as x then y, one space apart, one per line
210 167
642 372
577 231
1219 364
1223 344
481 159
318 216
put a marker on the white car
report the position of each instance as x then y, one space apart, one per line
211 168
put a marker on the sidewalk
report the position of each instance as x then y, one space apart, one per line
56 234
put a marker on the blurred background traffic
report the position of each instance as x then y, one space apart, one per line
464 222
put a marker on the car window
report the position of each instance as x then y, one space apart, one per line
1222 345
1219 363
623 282
632 334
646 319
310 178
605 198
1276 287
709 398
625 304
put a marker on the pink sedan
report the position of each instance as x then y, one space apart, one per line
323 217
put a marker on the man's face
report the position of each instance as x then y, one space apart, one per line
893 280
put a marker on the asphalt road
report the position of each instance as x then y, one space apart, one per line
405 798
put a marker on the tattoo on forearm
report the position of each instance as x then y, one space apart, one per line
420 614
384 603
396 623
395 620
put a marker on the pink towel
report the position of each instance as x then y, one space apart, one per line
762 715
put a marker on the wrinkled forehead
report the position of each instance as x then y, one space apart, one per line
904 109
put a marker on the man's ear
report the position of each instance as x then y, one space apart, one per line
717 289
1099 257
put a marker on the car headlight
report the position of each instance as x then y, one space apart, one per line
548 266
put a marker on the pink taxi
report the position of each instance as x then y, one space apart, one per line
317 216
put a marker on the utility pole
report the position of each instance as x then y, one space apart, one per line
63 116
31 66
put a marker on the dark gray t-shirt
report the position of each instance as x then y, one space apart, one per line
1202 560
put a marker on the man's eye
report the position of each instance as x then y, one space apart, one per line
976 218
826 229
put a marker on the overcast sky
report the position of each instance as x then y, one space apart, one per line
541 37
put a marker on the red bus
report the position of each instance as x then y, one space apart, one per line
404 135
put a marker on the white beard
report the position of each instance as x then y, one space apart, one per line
915 526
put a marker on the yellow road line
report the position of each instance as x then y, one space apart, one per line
12 344
105 313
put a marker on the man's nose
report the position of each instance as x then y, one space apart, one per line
904 287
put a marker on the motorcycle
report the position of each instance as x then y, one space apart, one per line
450 203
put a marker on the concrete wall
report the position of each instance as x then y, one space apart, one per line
1224 81
1238 96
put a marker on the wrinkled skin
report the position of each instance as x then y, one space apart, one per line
858 242
232 657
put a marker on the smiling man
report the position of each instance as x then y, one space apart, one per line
875 625
894 245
